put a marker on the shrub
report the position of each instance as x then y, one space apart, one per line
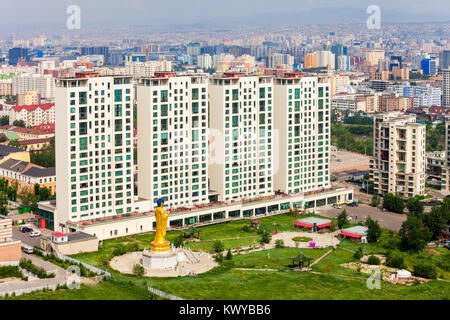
358 254
373 260
30 267
229 255
178 241
218 257
425 269
279 243
138 270
218 246
394 260
266 236
9 272
247 228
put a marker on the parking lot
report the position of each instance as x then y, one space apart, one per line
388 220
26 238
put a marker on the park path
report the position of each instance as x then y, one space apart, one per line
322 257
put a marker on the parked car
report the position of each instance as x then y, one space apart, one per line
35 233
349 218
25 229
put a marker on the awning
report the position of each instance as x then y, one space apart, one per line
352 235
302 224
324 225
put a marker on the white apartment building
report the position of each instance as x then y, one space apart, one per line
173 139
241 140
94 158
399 163
424 96
204 61
302 119
446 168
33 115
325 59
43 84
446 88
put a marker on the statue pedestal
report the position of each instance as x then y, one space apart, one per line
161 260
160 247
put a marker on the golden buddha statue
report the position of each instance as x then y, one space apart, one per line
160 243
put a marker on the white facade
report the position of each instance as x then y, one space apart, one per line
399 163
204 61
173 139
446 88
241 161
325 59
94 158
43 84
302 120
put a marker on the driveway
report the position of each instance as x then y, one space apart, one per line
388 220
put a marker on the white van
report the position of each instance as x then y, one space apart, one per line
35 233
27 249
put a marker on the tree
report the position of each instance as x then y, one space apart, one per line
425 269
14 143
415 206
218 246
394 260
138 270
266 236
229 256
393 203
342 219
358 254
374 230
414 236
279 243
375 200
373 260
4 120
26 196
437 218
178 241
19 123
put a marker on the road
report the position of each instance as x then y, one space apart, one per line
388 220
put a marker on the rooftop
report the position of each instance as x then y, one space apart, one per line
314 220
361 230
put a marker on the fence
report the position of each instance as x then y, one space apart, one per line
102 274
163 294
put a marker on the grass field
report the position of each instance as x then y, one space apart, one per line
107 290
280 258
331 280
290 285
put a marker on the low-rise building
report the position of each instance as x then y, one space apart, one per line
68 244
33 115
356 233
313 223
27 174
10 248
34 145
8 152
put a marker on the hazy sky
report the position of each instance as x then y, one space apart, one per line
45 13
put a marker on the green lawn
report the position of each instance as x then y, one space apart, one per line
280 258
290 285
107 290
